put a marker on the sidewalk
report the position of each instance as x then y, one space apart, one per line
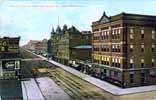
102 84
31 91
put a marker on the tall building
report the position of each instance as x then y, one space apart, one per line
124 49
67 42
9 58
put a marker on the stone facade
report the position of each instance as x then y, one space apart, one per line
64 41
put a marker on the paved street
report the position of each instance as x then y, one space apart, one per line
76 88
102 84
51 90
147 92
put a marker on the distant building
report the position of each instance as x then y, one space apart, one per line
39 49
9 58
124 49
36 46
31 45
69 45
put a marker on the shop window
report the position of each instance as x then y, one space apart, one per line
131 78
142 78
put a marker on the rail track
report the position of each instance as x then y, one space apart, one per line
76 88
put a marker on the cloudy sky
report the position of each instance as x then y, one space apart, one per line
34 19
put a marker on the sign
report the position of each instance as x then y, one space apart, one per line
3 43
3 46
8 47
10 65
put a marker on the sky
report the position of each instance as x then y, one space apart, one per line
34 19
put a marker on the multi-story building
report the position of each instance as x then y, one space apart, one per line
36 46
9 58
66 42
39 48
124 49
31 45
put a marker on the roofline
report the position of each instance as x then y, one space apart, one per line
124 13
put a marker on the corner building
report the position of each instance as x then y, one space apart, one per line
124 49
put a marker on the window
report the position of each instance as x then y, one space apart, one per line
142 63
131 30
153 34
131 78
153 63
113 64
113 34
118 48
105 71
119 61
142 49
131 63
131 36
142 33
131 48
87 37
142 36
153 31
153 47
115 73
142 77
113 47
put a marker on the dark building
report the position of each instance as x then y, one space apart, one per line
9 58
69 43
49 49
124 49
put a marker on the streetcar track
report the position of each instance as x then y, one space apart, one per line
73 87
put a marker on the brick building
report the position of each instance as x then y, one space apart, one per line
124 49
31 45
69 43
39 48
9 58
36 46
